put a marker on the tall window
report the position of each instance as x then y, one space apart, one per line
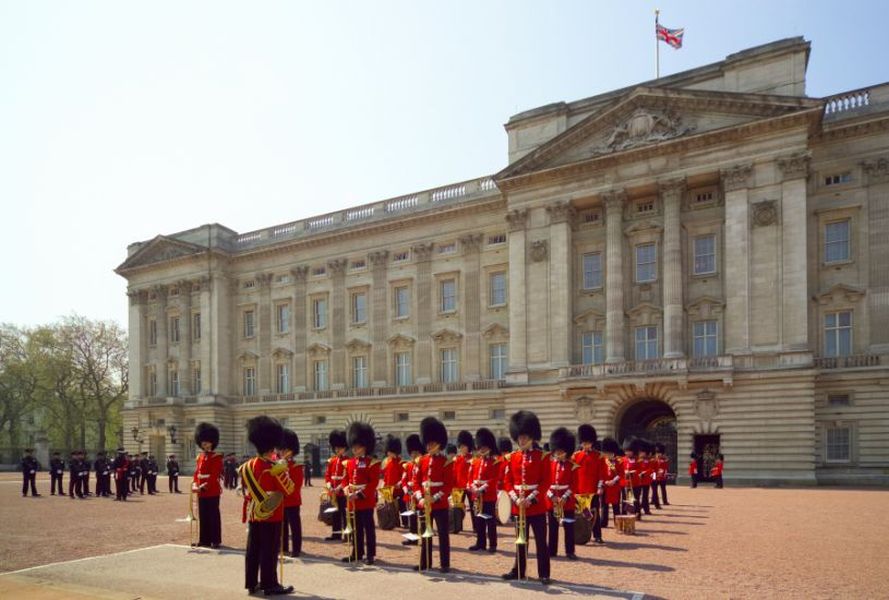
448 295
359 371
592 349
498 356
282 318
705 338
359 307
319 313
282 376
152 381
152 332
839 444
403 374
836 241
402 302
248 324
320 375
174 380
196 326
498 289
448 365
174 330
838 333
592 271
646 263
646 343
249 381
705 254
196 386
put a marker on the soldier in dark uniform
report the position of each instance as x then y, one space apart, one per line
143 472
134 473
121 471
56 473
100 466
307 471
30 466
85 474
75 479
152 475
173 474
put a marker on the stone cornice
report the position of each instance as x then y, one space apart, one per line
264 279
737 177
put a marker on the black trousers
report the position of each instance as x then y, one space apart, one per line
29 479
293 528
604 516
645 506
536 524
173 483
719 481
654 497
143 479
152 484
339 519
637 500
103 485
75 486
486 529
663 485
402 521
122 488
553 534
134 482
413 523
210 521
56 480
263 544
307 476
440 517
596 524
694 481
365 535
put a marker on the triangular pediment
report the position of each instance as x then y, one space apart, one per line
649 117
158 250
839 293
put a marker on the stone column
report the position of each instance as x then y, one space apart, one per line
264 324
185 339
300 326
518 352
423 348
794 264
615 324
877 249
205 347
561 287
735 182
379 316
338 323
674 340
161 365
472 299
135 342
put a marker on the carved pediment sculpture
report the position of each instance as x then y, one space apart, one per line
444 336
643 127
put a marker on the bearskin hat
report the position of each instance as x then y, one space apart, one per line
631 444
289 441
413 444
433 430
362 434
206 432
524 422
644 446
393 444
337 439
586 433
464 438
264 433
693 455
562 439
611 446
504 445
451 449
484 438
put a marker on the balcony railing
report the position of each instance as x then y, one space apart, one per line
847 101
365 392
855 361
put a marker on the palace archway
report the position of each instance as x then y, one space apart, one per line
653 420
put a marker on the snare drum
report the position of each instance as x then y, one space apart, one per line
504 508
625 524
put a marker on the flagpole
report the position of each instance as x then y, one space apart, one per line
657 47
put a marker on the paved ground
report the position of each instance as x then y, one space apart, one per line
731 543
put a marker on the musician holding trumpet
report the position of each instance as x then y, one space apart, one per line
560 497
433 482
362 478
484 481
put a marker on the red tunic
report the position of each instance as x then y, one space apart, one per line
439 472
591 472
392 472
362 477
484 477
504 467
563 479
716 471
693 467
645 469
407 480
631 471
528 475
271 477
207 472
335 475
296 476
462 465
613 477
660 468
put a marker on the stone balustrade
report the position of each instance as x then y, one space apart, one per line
392 390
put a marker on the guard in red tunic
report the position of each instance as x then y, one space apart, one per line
484 482
362 477
462 464
415 450
433 482
504 446
266 483
206 484
660 462
693 469
633 476
645 471
560 498
527 483
716 471
590 477
392 474
292 528
612 480
335 478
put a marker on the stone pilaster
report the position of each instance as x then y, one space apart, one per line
379 261
423 348
300 326
561 215
674 342
185 338
264 326
472 298
794 239
205 348
876 173
136 341
337 270
517 371
735 182
162 346
615 323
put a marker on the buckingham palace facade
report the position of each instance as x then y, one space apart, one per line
702 259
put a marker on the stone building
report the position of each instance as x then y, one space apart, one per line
702 259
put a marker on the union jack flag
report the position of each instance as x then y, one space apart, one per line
673 37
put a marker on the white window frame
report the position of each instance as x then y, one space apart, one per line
646 342
498 360
249 323
447 302
449 368
591 270
196 326
174 380
835 427
320 378
174 329
710 268
282 378
196 384
359 371
845 243
319 313
705 336
592 348
403 373
359 313
402 309
282 318
249 381
647 264
152 381
494 300
836 330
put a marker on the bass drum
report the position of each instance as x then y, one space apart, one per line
455 519
583 531
387 516
504 508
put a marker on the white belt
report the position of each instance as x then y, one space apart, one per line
480 481
559 487
357 487
531 486
433 483
337 477
202 476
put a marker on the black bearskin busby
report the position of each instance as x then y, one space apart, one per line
451 449
631 444
433 430
504 445
464 438
586 433
413 444
206 432
693 455
337 439
644 446
289 441
484 438
562 439
393 445
524 422
264 433
362 434
610 445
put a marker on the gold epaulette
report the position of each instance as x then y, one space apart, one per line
374 461
449 462
574 465
544 455
331 459
507 456
405 463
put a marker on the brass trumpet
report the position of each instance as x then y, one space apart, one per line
426 541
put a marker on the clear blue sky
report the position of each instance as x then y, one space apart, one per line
123 120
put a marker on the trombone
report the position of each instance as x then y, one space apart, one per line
349 531
191 518
426 536
521 540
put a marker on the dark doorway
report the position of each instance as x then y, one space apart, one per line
654 421
706 447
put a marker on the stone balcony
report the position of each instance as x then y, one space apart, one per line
856 102
489 385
